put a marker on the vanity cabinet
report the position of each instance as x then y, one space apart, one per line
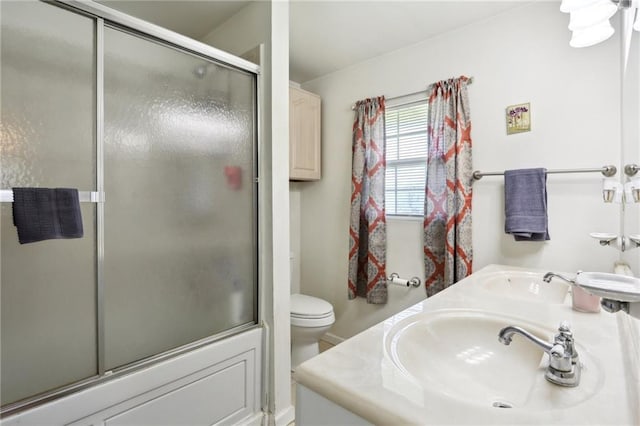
304 135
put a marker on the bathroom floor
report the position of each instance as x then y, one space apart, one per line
323 347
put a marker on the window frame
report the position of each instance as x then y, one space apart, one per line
403 161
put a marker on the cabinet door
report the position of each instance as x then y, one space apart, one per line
304 135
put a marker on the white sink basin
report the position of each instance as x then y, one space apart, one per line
524 286
456 352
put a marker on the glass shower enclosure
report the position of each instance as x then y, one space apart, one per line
160 139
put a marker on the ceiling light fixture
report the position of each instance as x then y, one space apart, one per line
589 20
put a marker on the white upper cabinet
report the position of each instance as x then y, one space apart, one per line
304 135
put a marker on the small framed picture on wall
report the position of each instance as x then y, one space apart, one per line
518 118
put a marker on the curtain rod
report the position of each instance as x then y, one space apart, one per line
608 171
469 81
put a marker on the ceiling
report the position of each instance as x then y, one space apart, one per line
326 36
193 18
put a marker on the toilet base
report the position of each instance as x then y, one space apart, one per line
305 343
301 353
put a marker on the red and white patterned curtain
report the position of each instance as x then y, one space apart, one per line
368 228
447 204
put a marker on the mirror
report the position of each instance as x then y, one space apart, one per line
630 152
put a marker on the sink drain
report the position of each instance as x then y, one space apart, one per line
502 404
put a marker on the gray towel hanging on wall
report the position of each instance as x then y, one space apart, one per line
525 204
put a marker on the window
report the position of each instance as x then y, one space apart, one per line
406 139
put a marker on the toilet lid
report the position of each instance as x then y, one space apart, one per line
307 306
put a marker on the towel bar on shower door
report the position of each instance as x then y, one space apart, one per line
6 196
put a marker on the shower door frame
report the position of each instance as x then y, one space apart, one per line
106 17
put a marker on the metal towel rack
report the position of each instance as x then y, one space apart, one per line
6 196
608 171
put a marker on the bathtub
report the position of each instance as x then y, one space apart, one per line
216 384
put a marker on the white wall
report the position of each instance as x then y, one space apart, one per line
267 23
520 56
295 189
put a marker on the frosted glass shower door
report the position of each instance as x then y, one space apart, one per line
179 187
47 139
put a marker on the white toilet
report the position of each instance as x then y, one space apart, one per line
310 319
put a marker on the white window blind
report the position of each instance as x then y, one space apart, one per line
406 139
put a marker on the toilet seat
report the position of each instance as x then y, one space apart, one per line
306 322
308 311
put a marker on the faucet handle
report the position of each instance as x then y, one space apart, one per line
565 328
565 339
557 351
564 336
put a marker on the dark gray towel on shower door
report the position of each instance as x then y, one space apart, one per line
525 204
45 214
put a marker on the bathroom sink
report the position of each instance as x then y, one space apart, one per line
524 286
457 353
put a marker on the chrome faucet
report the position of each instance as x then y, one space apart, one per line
550 275
564 364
